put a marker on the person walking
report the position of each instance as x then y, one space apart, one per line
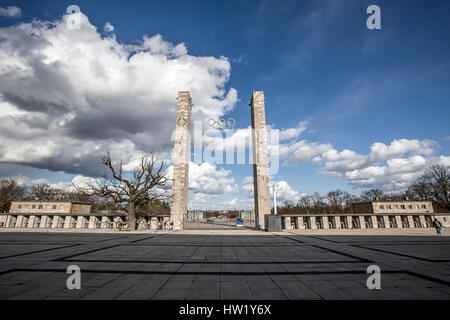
437 225
171 225
165 225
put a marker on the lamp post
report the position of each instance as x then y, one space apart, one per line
274 198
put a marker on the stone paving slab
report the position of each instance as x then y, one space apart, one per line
225 264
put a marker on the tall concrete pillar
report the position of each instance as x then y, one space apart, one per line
313 223
43 221
91 222
374 222
19 221
55 222
80 222
325 223
300 223
349 221
411 222
117 220
387 223
181 157
423 223
67 222
153 223
398 220
362 222
260 159
337 222
31 221
105 223
8 221
287 223
37 222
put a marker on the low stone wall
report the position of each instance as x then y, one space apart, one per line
363 221
61 221
289 222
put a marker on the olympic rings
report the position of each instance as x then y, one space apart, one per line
221 123
230 123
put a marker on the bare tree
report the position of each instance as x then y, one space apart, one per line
372 194
418 191
434 185
338 200
9 191
348 200
129 189
152 207
79 196
317 202
45 192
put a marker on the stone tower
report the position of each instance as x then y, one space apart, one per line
260 159
181 158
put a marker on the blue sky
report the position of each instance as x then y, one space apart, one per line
317 63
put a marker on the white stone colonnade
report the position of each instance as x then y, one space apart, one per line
362 221
70 221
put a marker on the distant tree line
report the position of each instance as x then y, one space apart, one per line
230 214
433 185
10 191
140 192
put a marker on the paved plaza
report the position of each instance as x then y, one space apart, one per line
225 264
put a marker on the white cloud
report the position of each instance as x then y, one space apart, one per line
231 203
300 151
68 96
27 182
284 190
247 185
290 133
82 182
73 95
380 151
78 180
214 139
198 199
444 161
206 178
206 182
350 160
239 140
108 28
239 59
390 167
10 11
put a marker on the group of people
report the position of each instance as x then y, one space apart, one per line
165 225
